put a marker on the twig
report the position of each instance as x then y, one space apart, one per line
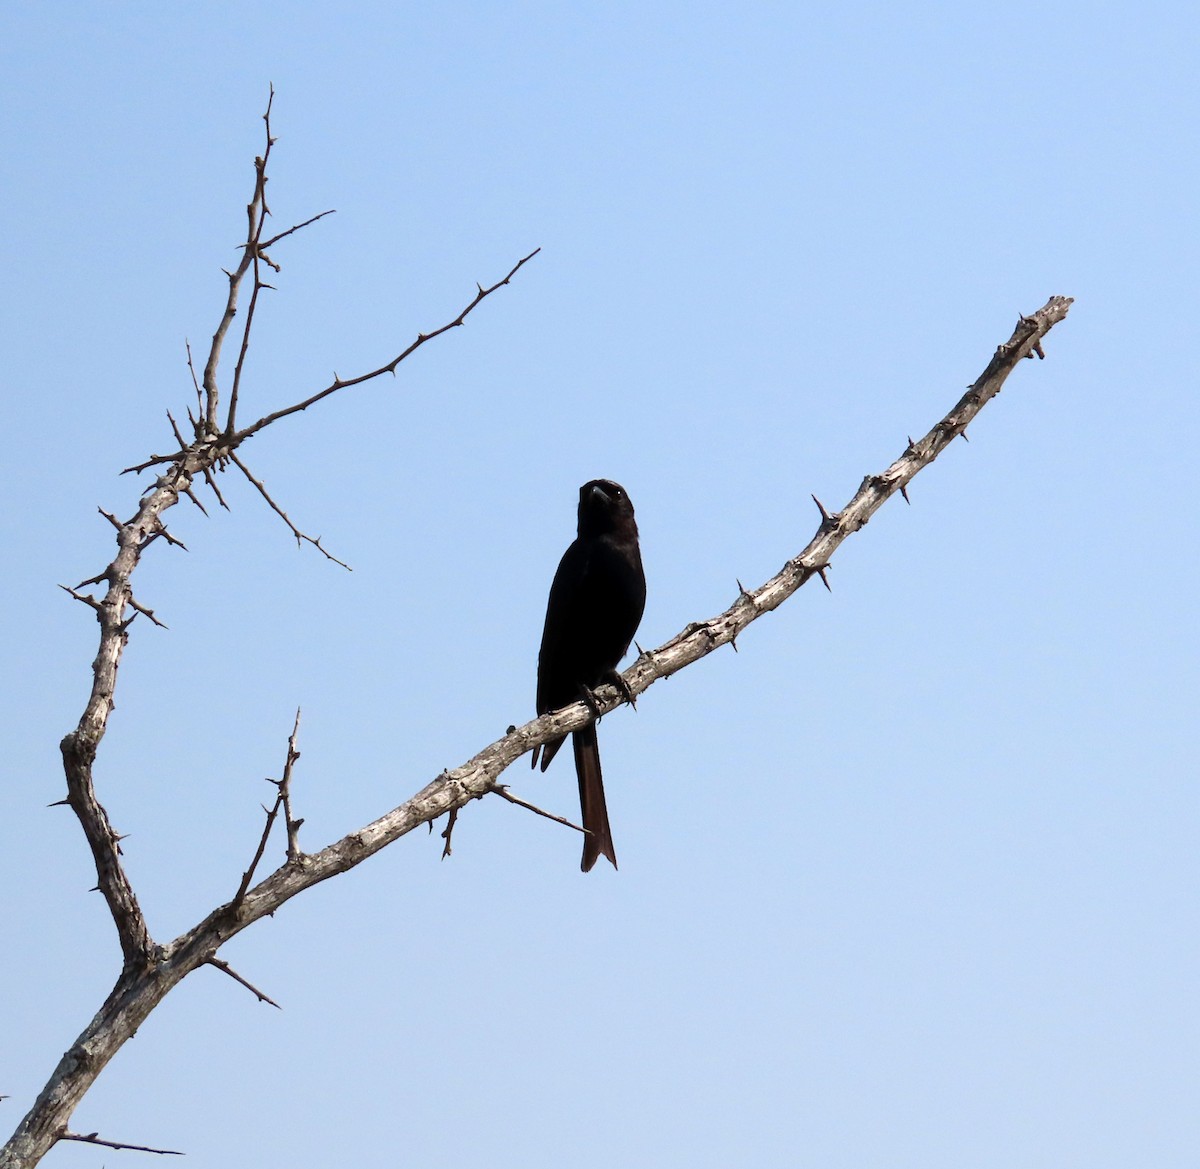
83 598
255 211
208 478
448 831
135 604
221 964
343 383
285 794
284 234
196 385
92 1138
316 543
501 789
282 800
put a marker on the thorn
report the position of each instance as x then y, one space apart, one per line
145 612
616 678
63 803
826 519
589 699
904 492
83 598
733 642
824 579
963 434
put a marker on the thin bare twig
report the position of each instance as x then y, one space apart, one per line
83 598
208 478
232 439
258 212
196 385
316 543
282 800
255 212
343 383
222 965
92 1138
284 234
285 794
448 831
501 789
135 604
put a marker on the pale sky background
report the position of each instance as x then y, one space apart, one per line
910 881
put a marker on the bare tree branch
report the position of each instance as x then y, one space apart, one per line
143 984
92 1138
257 213
448 832
343 383
501 789
150 970
315 542
284 234
224 966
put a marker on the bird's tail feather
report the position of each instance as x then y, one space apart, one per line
597 840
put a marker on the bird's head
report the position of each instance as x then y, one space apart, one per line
604 508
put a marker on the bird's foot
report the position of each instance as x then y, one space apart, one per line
589 697
618 680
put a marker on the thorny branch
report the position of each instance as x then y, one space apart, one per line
224 966
283 515
150 970
501 789
93 1138
283 799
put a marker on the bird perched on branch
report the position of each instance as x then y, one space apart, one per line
596 602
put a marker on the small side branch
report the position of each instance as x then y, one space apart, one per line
501 789
344 383
224 967
284 234
315 542
448 832
256 211
92 1138
283 799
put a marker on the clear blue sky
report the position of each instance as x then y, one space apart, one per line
910 881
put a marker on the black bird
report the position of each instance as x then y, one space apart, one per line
596 602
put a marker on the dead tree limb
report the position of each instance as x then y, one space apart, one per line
151 970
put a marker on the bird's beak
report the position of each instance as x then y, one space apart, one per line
598 492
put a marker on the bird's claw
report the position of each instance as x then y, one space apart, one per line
618 680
